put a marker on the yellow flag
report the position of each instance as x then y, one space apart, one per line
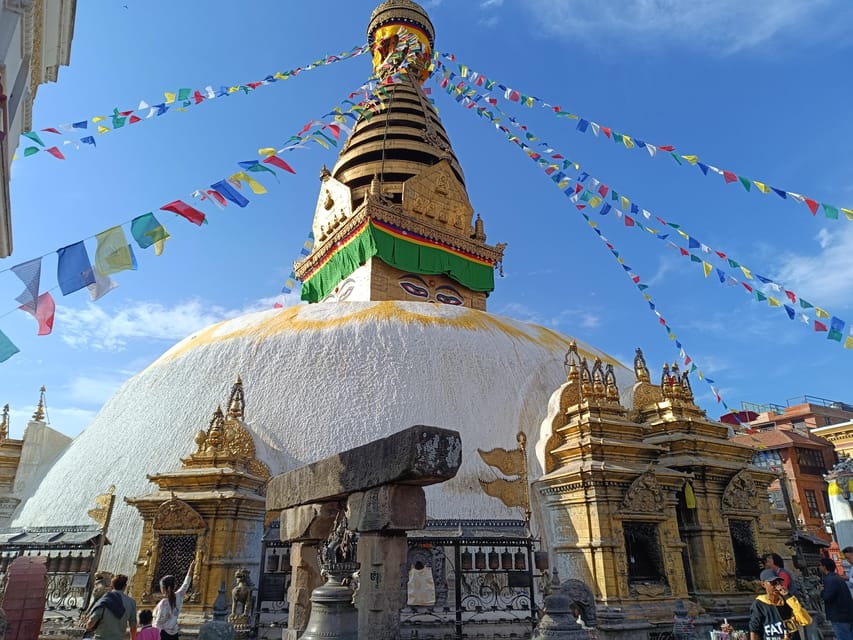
682 234
97 119
707 268
113 252
592 223
848 343
233 89
626 140
159 245
256 187
280 76
691 159
763 188
170 97
102 128
820 313
773 302
320 141
746 273
626 204
266 151
620 260
594 201
848 213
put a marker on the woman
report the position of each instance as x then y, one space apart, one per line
776 614
167 610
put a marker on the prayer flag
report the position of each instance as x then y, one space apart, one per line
113 252
146 230
230 193
30 274
43 312
819 326
56 153
184 210
256 187
729 176
7 348
836 326
101 287
32 135
812 205
278 162
74 271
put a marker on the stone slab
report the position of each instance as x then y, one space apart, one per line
418 456
394 507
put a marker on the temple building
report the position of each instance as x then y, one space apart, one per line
632 489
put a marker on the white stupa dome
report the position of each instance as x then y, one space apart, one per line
318 379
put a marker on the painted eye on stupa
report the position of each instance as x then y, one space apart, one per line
448 295
346 289
414 289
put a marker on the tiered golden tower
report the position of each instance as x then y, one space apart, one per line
393 220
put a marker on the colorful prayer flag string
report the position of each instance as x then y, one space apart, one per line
632 142
179 101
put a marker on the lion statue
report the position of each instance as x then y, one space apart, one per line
241 597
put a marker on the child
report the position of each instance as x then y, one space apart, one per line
146 631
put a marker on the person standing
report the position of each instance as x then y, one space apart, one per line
776 614
837 600
774 561
146 631
848 555
110 617
167 610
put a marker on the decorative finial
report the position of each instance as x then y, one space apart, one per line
686 389
666 381
479 230
375 186
4 423
641 371
325 174
237 401
598 380
38 415
611 390
586 379
571 362
216 431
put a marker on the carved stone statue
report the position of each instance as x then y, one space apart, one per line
340 547
241 597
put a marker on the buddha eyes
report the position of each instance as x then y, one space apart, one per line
414 290
444 298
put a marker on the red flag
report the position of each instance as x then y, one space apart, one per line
56 153
184 210
278 162
684 251
721 254
811 204
629 221
51 130
198 97
43 313
335 129
602 190
819 326
134 119
218 197
668 147
125 113
729 176
606 131
791 295
747 287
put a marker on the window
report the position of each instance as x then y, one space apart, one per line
811 501
643 549
811 461
768 459
176 553
747 562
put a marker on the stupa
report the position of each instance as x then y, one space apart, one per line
396 333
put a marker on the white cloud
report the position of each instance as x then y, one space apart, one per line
726 26
491 4
95 328
566 319
824 277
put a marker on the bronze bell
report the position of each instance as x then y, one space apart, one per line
520 560
333 616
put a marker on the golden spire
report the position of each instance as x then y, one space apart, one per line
686 389
641 371
237 401
571 362
586 379
38 415
598 388
611 390
4 423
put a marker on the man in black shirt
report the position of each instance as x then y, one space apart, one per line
837 600
776 614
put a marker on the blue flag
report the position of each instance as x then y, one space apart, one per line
228 192
74 270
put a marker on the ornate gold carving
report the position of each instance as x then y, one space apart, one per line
644 495
177 515
334 207
741 494
641 371
437 189
513 493
103 508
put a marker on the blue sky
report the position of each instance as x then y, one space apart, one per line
763 93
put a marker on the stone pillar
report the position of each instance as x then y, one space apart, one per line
304 527
382 516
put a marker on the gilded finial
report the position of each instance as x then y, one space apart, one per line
610 389
666 381
586 379
216 431
325 174
686 389
479 230
641 371
237 401
38 415
571 362
375 186
4 423
598 388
